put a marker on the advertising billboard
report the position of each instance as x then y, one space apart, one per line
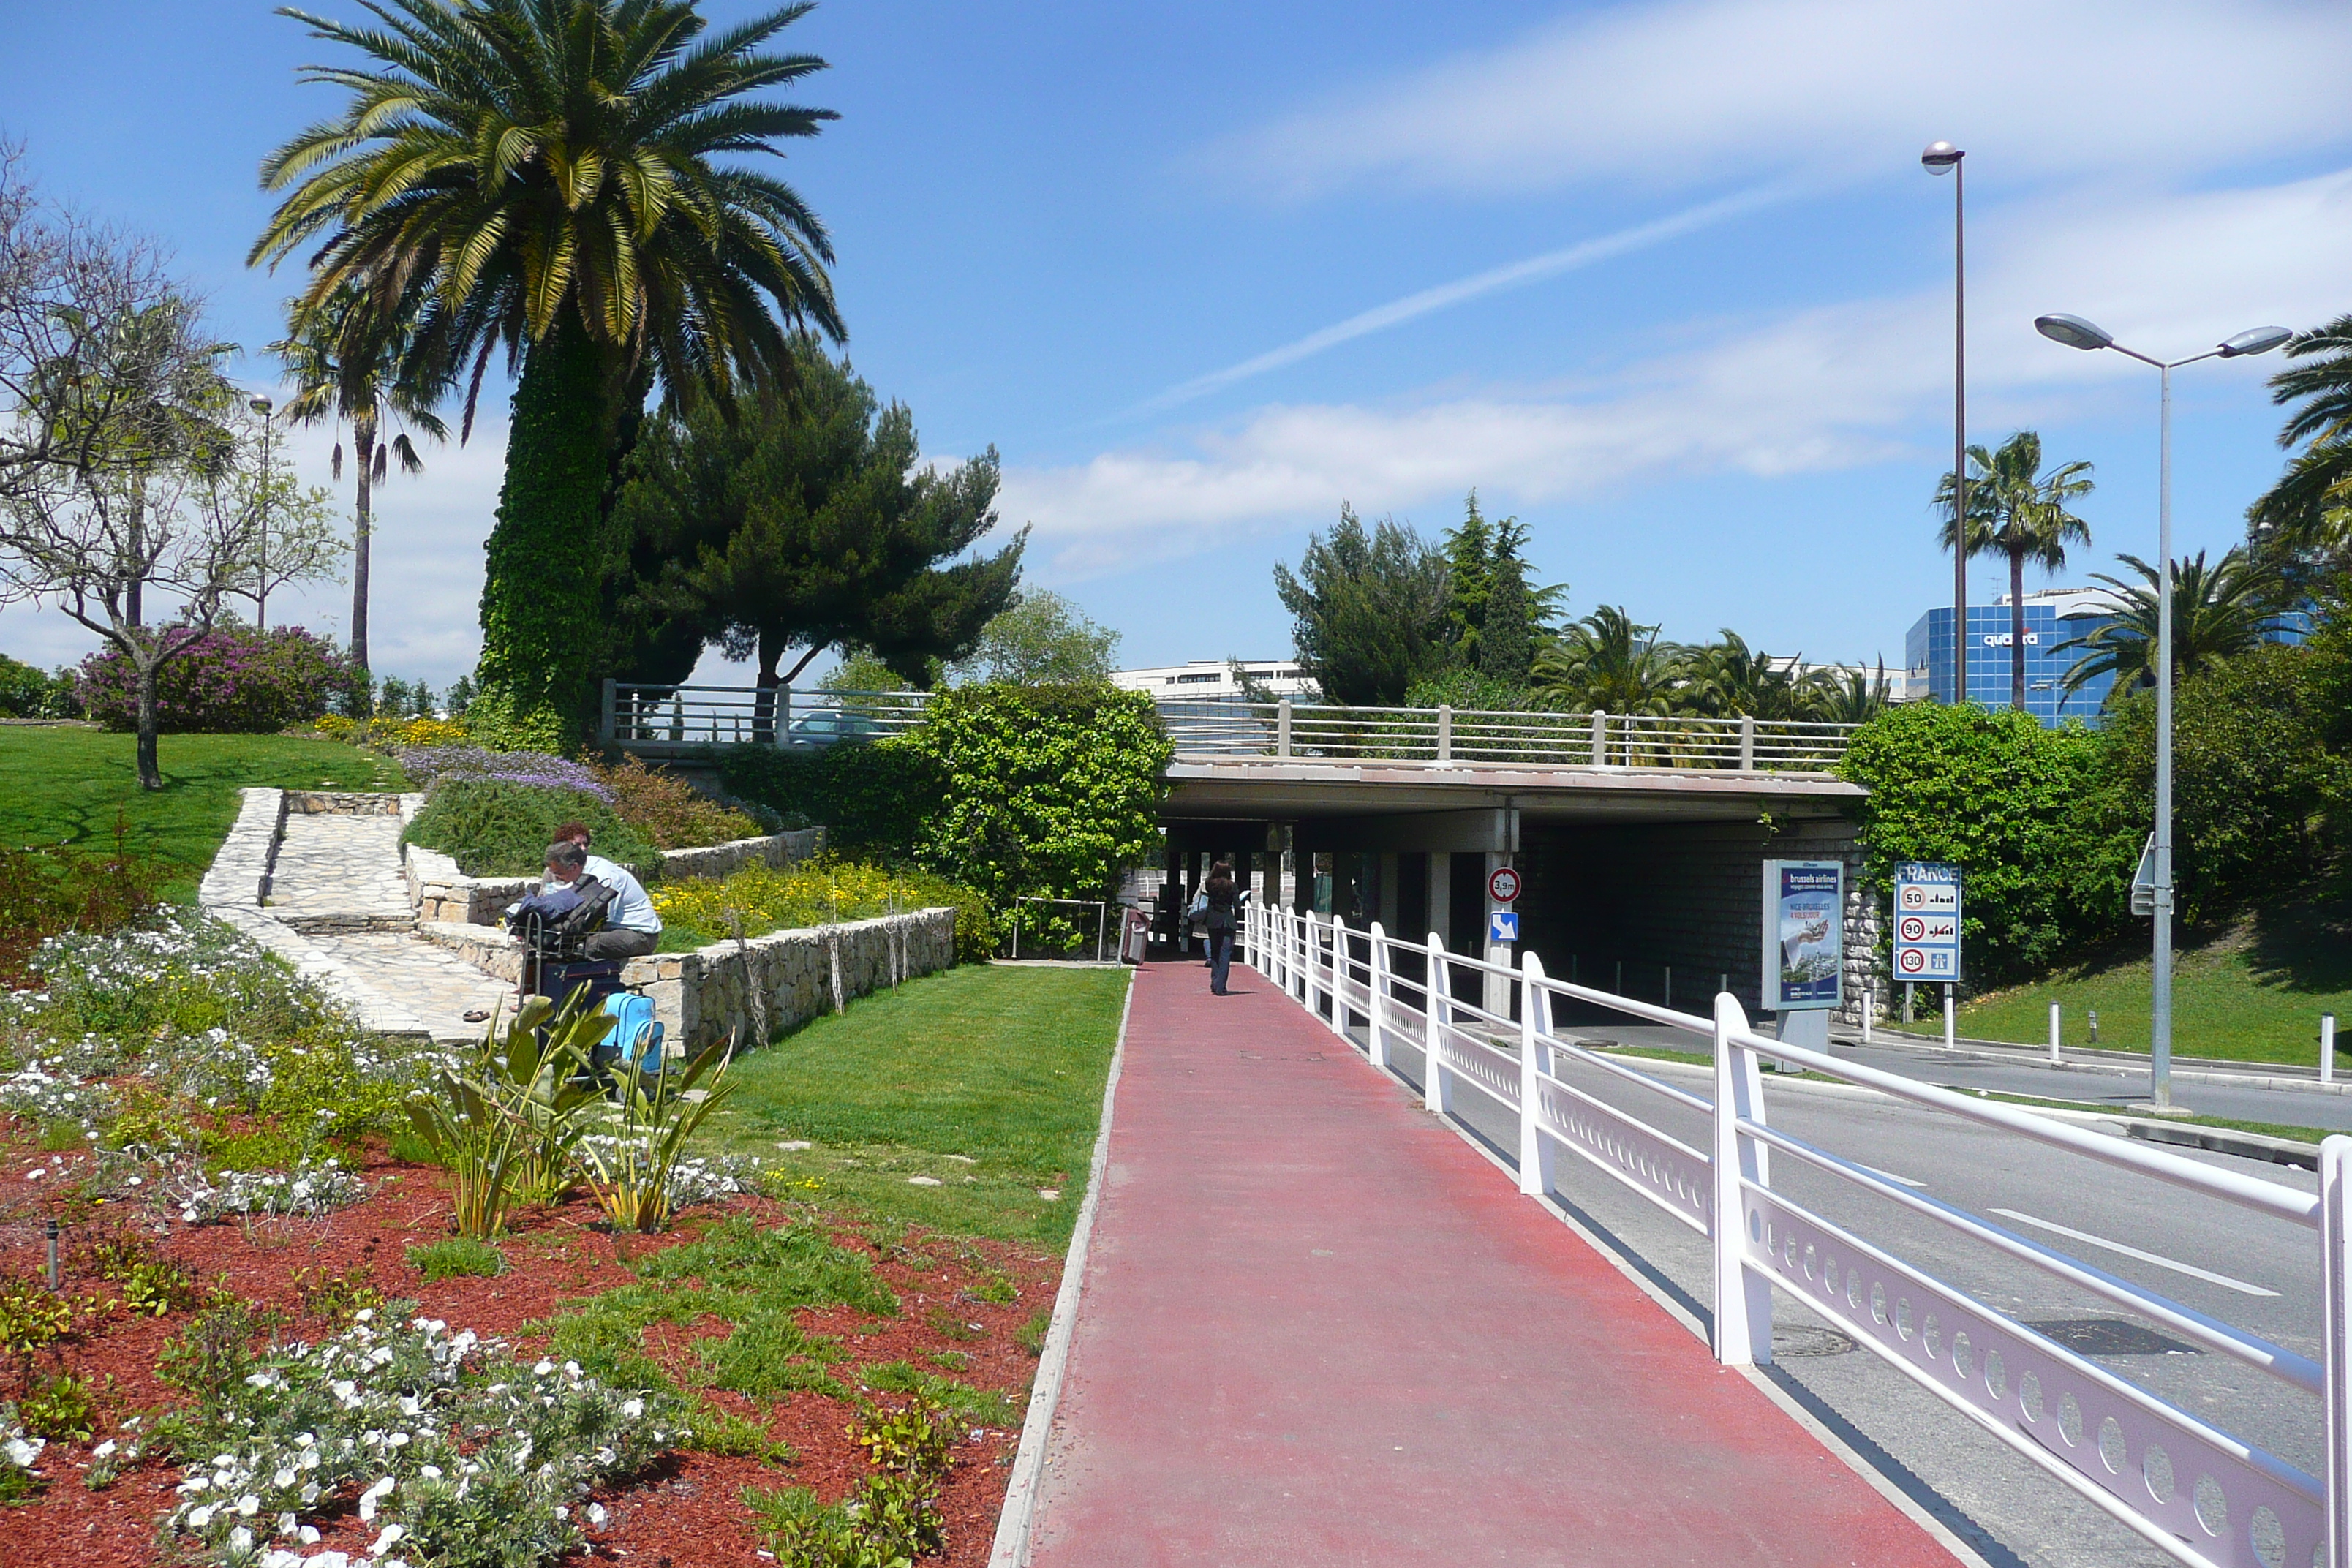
1804 934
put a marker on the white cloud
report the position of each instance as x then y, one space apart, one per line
1815 390
1700 92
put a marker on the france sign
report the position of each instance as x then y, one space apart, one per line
1926 922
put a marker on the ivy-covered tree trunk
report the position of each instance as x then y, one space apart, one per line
364 445
540 591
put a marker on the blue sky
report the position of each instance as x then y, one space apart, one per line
1714 372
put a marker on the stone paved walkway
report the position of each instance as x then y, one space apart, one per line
430 982
338 872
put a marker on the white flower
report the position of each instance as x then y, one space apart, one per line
200 1517
389 1535
596 1515
542 1369
104 1450
240 1539
633 1408
23 1451
374 1495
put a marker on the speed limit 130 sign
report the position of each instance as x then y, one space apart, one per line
1503 884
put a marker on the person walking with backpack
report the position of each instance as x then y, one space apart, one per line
1220 918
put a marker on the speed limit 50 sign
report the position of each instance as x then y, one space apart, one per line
1926 921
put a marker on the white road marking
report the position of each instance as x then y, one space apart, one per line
1892 1176
2205 1274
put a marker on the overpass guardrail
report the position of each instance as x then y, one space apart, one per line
658 720
2179 1481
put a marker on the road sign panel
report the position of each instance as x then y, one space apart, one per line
1502 925
1503 884
1926 921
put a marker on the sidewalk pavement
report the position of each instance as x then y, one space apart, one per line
1318 1328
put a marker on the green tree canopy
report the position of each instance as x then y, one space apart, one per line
1608 661
557 177
1040 640
1368 609
2218 612
811 523
2305 518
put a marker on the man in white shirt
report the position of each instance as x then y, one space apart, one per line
631 928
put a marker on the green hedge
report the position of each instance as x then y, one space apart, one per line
494 829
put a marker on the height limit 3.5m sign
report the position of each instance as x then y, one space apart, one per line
1926 922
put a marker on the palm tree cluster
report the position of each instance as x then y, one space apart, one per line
2217 613
2017 511
558 179
1610 661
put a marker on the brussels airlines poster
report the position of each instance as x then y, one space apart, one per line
1804 934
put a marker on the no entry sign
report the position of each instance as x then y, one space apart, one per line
1503 884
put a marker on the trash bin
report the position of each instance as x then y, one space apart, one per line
1135 930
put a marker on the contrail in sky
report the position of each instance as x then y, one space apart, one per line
1584 253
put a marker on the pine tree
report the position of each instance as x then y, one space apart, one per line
1470 571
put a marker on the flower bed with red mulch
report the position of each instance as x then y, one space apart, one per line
966 1311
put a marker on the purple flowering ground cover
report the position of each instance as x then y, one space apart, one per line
429 765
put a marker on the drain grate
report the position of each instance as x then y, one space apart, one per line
2108 1336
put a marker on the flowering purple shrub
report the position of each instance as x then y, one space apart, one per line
428 766
233 678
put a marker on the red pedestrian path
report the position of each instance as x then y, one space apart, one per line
1319 1327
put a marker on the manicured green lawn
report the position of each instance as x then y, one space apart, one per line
2252 992
988 1080
66 786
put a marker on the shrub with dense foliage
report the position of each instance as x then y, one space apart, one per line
2020 807
493 828
384 730
1008 790
232 679
25 692
758 900
2253 779
667 809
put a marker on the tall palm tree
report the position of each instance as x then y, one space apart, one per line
351 365
2217 612
1607 660
546 175
1847 697
2016 509
2308 513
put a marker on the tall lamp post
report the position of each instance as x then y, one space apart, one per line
261 405
2077 333
1942 157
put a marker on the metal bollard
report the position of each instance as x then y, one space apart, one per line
2327 1047
50 1237
1951 1019
2054 1034
1869 1013
2094 1026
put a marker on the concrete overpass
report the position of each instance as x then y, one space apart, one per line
1638 838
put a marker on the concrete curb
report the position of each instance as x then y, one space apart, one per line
1012 1547
2110 1064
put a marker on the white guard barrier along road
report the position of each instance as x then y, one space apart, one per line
2200 1494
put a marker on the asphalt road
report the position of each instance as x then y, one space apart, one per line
2258 1273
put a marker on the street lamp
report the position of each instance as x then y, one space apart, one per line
261 405
1941 157
2077 333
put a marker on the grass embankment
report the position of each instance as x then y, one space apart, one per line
986 1081
2253 991
66 786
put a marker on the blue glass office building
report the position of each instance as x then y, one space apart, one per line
1928 652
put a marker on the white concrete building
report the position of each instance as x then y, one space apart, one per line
1209 679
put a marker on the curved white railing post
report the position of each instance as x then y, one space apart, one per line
1743 1296
2335 1303
1534 1028
1436 1083
1375 1040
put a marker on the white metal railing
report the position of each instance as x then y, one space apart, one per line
2179 1481
655 717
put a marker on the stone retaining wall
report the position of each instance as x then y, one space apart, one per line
702 996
